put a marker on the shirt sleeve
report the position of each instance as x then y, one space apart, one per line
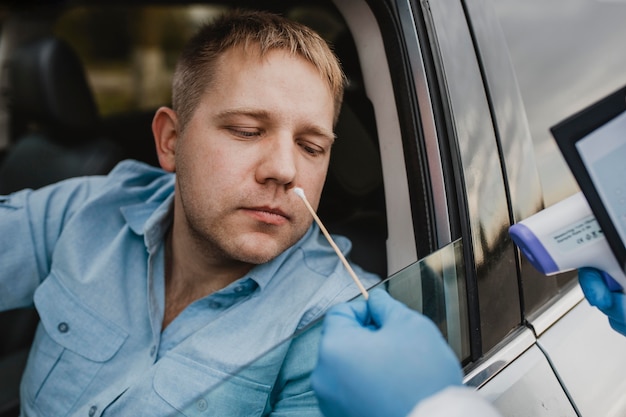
455 402
30 225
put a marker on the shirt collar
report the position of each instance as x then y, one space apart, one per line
263 273
153 218
150 219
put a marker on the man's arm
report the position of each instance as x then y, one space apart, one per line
30 224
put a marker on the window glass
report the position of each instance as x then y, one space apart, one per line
129 55
435 285
129 60
566 55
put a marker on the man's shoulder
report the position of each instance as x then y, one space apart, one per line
128 183
335 283
138 179
131 170
320 256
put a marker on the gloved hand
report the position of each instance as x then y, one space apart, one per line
378 358
597 292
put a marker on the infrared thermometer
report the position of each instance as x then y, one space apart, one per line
567 236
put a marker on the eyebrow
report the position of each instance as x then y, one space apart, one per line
253 113
319 131
264 115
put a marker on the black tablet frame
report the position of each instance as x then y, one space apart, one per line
577 127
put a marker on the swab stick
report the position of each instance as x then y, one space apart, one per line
300 192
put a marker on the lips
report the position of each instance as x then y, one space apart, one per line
268 215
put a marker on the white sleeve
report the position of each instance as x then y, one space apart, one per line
455 402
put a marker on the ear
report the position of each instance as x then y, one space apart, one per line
165 132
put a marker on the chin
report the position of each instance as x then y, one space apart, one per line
261 249
257 252
258 257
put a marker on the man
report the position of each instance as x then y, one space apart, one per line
154 288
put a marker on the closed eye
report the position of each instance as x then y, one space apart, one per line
311 149
245 133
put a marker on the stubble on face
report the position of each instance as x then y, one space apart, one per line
219 236
229 214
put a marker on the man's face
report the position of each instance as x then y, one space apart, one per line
263 127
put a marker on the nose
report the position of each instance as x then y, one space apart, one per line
277 161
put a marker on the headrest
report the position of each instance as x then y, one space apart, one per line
48 86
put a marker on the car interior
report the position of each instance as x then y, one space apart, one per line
57 132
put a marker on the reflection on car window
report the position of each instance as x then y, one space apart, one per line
435 286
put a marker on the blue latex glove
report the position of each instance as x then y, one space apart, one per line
379 359
598 293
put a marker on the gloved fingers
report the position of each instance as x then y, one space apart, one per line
383 308
595 288
346 315
617 310
619 327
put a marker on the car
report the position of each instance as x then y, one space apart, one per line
443 143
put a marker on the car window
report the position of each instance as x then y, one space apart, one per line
566 62
129 55
434 285
481 204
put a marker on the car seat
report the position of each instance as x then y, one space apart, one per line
54 119
55 135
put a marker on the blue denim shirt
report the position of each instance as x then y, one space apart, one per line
88 253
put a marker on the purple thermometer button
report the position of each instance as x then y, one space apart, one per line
532 249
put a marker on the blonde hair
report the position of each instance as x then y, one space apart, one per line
266 31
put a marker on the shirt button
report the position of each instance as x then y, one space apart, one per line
63 327
215 304
92 410
202 404
239 288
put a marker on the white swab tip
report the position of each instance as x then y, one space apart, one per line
299 191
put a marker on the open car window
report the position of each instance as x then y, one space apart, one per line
129 54
435 286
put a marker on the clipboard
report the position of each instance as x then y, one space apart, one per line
593 143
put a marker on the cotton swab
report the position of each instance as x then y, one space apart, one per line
300 192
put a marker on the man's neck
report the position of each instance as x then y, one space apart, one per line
191 275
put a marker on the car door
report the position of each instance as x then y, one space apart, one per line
466 278
537 360
567 61
506 362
